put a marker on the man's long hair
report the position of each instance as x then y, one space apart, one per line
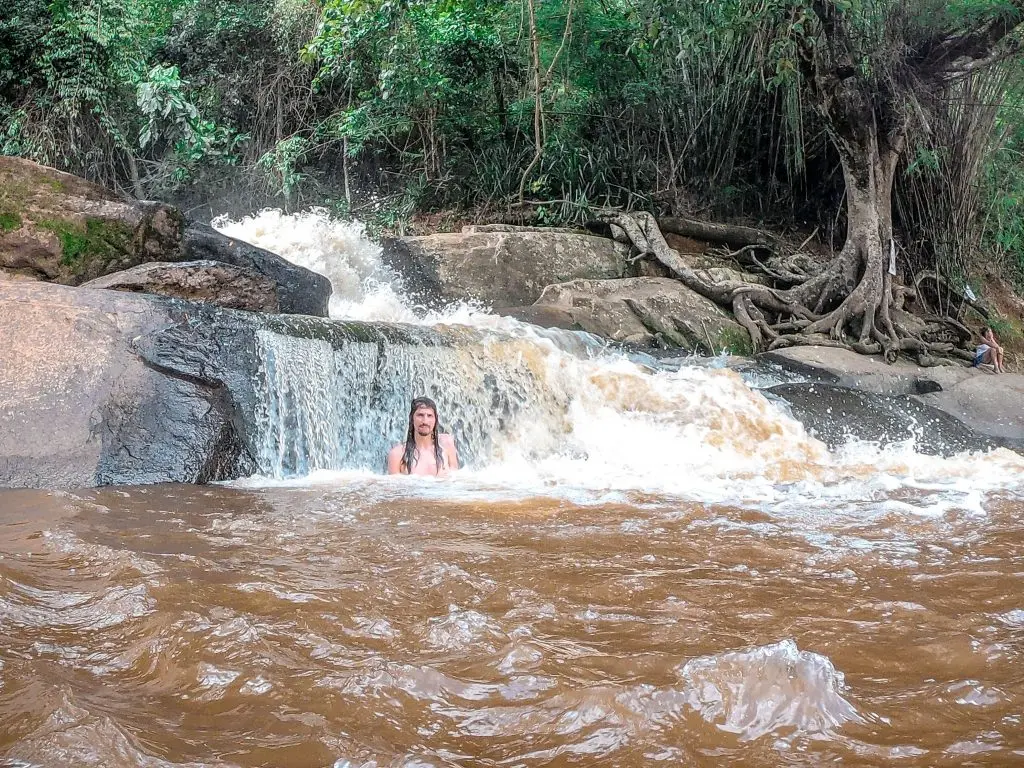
409 457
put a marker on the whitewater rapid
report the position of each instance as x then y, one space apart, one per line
604 425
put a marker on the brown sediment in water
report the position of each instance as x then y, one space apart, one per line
380 625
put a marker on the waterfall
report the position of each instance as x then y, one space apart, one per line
548 408
342 408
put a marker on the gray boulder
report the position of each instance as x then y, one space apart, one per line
989 406
834 414
84 403
471 228
647 311
499 269
61 228
300 291
107 387
210 281
55 227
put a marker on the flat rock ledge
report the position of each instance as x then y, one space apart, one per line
988 406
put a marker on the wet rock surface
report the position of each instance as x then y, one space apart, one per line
299 290
115 388
988 408
222 284
104 387
835 414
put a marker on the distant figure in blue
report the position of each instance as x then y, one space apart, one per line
989 352
425 451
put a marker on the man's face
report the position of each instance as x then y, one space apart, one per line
423 420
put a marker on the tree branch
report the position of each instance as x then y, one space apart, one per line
950 51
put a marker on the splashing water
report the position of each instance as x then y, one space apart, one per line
639 567
762 690
548 410
363 287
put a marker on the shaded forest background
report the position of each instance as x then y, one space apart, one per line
535 110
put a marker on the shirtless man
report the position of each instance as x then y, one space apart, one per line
425 451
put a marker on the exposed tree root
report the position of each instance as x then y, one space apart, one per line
849 302
734 235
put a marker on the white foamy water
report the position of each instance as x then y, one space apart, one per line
364 287
559 414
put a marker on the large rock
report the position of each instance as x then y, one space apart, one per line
300 291
989 406
500 269
868 373
647 311
84 403
222 284
108 387
835 414
59 228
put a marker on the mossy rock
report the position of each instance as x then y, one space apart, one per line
61 228
95 240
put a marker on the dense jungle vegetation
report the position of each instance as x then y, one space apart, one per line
535 110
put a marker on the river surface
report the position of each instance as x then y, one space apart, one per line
660 568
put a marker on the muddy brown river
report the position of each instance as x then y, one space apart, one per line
414 623
641 564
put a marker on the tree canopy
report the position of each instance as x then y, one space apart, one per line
540 109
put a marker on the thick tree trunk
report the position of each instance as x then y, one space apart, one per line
860 277
850 302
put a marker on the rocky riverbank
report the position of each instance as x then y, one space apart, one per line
945 408
131 336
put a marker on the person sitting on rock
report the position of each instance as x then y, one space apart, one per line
989 352
425 451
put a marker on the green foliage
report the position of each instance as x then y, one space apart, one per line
82 80
389 108
9 221
735 342
283 162
1004 189
173 119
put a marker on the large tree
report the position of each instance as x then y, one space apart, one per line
875 71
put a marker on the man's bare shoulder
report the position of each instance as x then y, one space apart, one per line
394 459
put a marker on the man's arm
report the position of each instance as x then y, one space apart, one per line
451 454
395 460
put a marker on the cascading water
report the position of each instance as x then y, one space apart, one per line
545 408
639 566
328 409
